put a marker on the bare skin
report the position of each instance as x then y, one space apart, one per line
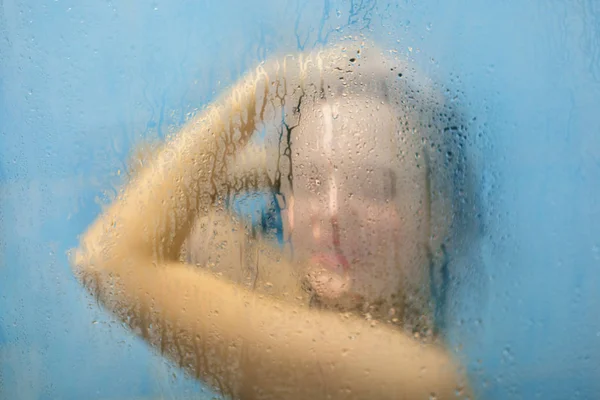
259 344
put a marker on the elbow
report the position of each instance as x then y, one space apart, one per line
80 260
94 268
85 266
91 259
101 258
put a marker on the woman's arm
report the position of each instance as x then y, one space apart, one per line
252 347
245 345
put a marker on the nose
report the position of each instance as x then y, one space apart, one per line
326 229
325 208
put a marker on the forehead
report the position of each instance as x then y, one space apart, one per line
359 132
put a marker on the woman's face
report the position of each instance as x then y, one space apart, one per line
357 216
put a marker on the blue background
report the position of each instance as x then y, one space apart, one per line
83 82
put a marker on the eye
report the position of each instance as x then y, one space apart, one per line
391 183
314 179
379 185
314 184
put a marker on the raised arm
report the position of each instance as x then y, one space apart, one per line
245 345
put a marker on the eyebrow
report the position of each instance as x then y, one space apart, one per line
393 179
387 171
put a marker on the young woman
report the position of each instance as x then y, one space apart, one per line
345 159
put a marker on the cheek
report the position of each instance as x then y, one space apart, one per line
390 254
371 237
372 231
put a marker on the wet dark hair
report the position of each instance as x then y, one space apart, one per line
454 131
